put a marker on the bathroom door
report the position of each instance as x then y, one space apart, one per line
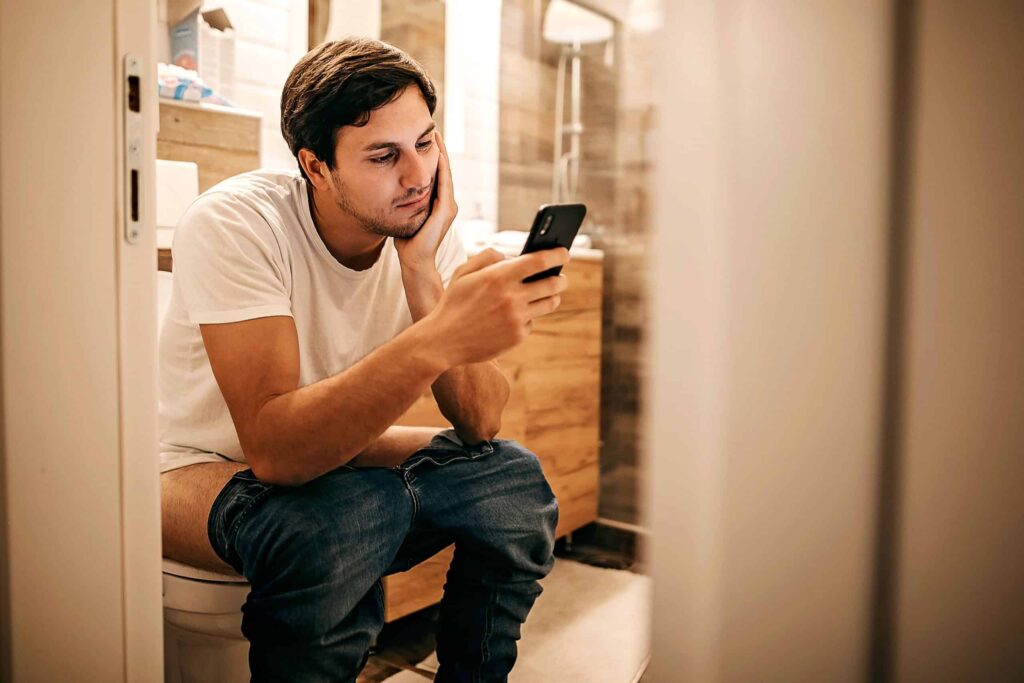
80 592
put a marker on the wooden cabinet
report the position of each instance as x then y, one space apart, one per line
554 410
221 141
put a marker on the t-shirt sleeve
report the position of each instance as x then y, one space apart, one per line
228 263
450 255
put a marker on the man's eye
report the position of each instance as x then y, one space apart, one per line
387 158
425 144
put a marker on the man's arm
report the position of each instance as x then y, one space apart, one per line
470 396
394 446
291 435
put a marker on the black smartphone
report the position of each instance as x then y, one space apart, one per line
555 225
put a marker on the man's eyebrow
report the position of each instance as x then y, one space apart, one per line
394 145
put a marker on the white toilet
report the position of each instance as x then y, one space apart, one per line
203 640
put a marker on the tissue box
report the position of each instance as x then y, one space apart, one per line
204 41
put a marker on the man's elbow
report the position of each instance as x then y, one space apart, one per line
269 470
483 431
263 469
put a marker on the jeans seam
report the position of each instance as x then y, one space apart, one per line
226 554
458 458
412 493
485 652
245 512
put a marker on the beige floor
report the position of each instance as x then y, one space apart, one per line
589 624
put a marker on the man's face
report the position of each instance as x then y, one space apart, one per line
384 171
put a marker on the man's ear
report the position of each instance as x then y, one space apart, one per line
316 170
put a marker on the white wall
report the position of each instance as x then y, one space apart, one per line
270 36
776 170
354 18
471 68
767 333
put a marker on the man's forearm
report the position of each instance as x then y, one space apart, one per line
314 429
472 396
394 446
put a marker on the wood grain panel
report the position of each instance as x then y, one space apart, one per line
561 336
205 127
577 498
565 449
221 142
420 587
585 285
215 164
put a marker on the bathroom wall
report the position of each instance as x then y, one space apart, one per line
270 36
958 608
417 26
472 51
772 195
618 116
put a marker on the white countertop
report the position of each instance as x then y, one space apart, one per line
577 253
510 243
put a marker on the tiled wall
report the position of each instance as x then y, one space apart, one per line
270 36
473 29
617 116
456 42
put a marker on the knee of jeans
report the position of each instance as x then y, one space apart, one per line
537 499
527 464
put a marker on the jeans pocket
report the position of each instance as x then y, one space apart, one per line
445 440
239 497
445 448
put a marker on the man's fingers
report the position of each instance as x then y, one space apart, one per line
549 286
481 260
529 264
536 309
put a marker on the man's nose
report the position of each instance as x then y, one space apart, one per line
416 171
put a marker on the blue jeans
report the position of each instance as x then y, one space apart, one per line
315 554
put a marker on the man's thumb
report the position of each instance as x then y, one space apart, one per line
485 258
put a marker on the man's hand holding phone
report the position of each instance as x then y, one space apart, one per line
488 308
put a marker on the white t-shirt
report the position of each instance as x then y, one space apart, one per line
247 248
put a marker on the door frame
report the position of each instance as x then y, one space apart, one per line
79 481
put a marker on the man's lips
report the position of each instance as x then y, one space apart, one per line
416 203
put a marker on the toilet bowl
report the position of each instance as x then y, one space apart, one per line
203 640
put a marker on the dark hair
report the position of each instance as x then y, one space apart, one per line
339 83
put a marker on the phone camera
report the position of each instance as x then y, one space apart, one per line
547 224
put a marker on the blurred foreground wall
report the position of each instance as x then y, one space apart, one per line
959 608
837 402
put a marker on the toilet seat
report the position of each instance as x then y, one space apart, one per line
200 591
189 572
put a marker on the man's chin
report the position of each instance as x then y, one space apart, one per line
399 231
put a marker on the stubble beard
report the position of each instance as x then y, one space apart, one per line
378 223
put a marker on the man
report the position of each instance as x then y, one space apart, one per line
310 310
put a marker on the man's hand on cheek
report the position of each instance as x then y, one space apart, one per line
418 253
